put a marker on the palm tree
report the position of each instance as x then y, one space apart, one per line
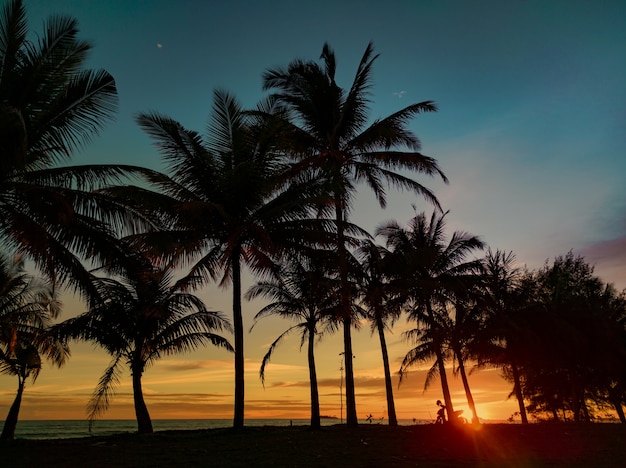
504 336
463 323
382 311
26 309
428 271
302 294
139 318
49 106
225 203
329 136
428 336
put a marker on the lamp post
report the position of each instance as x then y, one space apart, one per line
341 388
341 364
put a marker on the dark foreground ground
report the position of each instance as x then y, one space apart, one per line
336 446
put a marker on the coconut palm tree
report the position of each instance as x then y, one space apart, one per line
27 307
428 270
50 105
225 203
302 294
139 318
329 135
382 310
463 322
505 337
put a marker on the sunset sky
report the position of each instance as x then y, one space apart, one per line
530 131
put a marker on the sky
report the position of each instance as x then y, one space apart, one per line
530 132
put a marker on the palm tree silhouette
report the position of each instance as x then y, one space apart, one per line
49 106
505 335
27 307
427 271
463 322
140 317
329 136
225 203
382 310
303 294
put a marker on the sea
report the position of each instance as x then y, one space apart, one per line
69 429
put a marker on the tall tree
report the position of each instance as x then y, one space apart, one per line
428 269
505 337
27 307
382 310
579 341
302 294
140 317
225 203
463 322
330 136
50 105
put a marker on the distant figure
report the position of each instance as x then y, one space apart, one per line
369 418
441 413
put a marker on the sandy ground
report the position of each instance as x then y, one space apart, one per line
373 445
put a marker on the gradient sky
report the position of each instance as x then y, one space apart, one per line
530 131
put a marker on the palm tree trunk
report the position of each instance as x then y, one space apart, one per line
517 388
8 431
616 401
144 423
238 331
346 306
445 388
619 410
468 392
391 408
315 400
351 417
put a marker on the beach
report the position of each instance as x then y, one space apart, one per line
368 445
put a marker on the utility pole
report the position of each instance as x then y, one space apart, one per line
341 387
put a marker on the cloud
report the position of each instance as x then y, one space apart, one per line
608 258
612 252
159 45
399 94
182 366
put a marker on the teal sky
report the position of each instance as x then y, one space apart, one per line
530 131
531 95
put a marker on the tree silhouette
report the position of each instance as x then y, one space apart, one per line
27 307
329 136
302 293
140 317
49 106
579 342
427 271
225 204
382 310
463 322
505 337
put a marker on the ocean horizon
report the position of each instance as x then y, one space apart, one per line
70 429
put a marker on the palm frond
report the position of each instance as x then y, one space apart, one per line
104 392
13 33
272 348
87 103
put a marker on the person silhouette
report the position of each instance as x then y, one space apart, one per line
441 413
